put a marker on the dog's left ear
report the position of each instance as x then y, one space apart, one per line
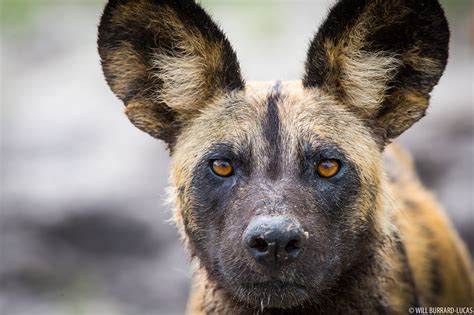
382 58
166 60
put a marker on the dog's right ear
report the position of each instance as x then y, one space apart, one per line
382 58
165 60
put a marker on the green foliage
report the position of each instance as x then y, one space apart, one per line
21 12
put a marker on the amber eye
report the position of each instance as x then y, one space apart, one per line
328 168
222 168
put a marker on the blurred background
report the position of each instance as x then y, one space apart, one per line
83 224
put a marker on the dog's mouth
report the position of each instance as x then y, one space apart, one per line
273 294
275 284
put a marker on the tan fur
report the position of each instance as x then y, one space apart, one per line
189 76
428 236
175 93
298 112
183 79
407 108
423 64
142 113
132 69
362 76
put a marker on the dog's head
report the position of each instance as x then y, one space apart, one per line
278 186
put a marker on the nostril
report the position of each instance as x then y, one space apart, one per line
259 244
274 240
293 245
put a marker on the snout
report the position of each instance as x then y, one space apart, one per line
274 240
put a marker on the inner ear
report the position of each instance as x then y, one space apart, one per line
382 58
166 60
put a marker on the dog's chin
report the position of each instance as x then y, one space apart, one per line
271 294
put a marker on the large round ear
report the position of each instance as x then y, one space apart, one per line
165 59
382 58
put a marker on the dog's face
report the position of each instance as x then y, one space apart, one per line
277 158
278 186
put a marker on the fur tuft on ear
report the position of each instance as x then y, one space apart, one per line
165 60
382 58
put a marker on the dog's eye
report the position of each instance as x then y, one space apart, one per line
328 168
222 168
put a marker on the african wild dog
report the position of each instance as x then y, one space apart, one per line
286 193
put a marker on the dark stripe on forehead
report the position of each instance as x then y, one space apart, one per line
271 129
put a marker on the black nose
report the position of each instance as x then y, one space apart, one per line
272 240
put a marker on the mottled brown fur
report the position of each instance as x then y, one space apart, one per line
165 57
377 241
405 207
429 236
